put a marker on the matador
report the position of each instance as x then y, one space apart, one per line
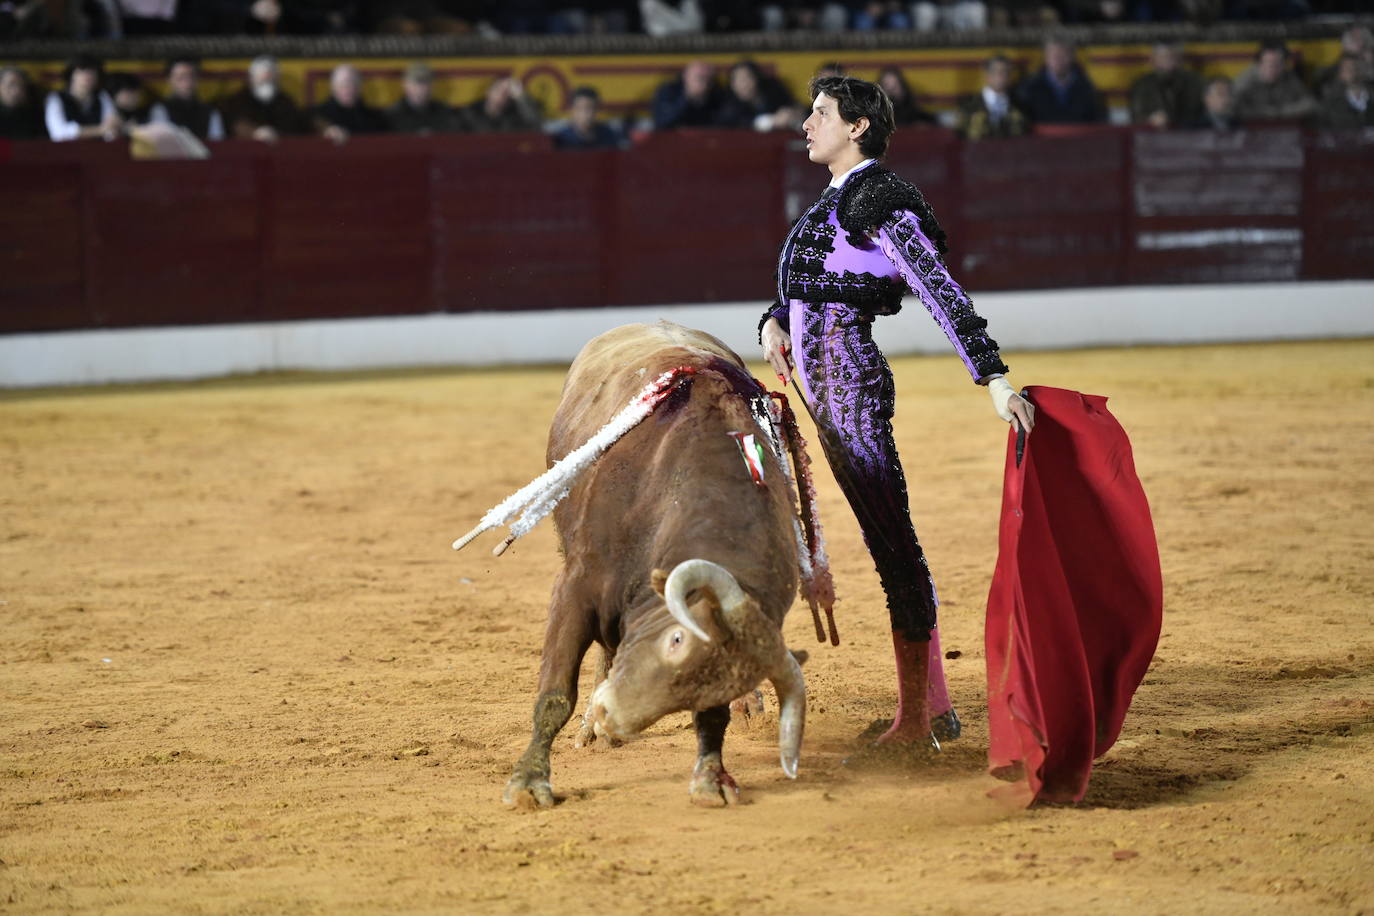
867 242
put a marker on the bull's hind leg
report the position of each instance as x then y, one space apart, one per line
588 734
565 642
711 786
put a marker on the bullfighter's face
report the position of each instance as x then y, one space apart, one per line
828 135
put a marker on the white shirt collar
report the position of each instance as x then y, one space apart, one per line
994 100
839 182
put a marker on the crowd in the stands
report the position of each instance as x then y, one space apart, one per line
118 18
91 104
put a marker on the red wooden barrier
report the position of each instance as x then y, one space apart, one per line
406 225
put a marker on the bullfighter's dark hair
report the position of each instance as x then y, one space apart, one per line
857 99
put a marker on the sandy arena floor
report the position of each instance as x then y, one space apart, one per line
242 671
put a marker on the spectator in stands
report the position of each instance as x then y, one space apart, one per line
1095 11
81 110
1275 93
285 17
260 110
418 112
906 111
994 111
131 101
1023 13
504 107
756 100
1348 108
950 15
596 17
148 17
1218 107
1356 41
583 130
731 15
692 100
805 15
1060 92
829 68
1170 95
871 15
20 116
345 113
183 106
23 19
672 17
423 17
1267 9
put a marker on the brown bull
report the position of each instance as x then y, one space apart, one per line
676 560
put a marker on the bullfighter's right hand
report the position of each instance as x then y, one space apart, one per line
777 349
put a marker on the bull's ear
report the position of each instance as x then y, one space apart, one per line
657 579
801 655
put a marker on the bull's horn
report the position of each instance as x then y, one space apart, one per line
694 574
791 687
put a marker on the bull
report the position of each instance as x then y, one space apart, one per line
678 559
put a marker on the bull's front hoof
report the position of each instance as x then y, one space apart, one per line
712 787
528 791
590 734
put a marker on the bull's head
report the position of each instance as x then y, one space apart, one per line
717 645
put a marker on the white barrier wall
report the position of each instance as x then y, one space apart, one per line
1054 319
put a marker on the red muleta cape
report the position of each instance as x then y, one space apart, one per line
1076 601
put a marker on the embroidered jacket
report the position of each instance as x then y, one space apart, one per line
867 245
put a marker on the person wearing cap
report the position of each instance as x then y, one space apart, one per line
418 112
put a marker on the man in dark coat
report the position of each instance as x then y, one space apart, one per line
1218 107
692 100
418 112
260 110
584 131
1170 95
993 112
505 107
1060 92
20 116
183 106
1347 106
345 113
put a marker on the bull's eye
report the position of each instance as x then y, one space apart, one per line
677 638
